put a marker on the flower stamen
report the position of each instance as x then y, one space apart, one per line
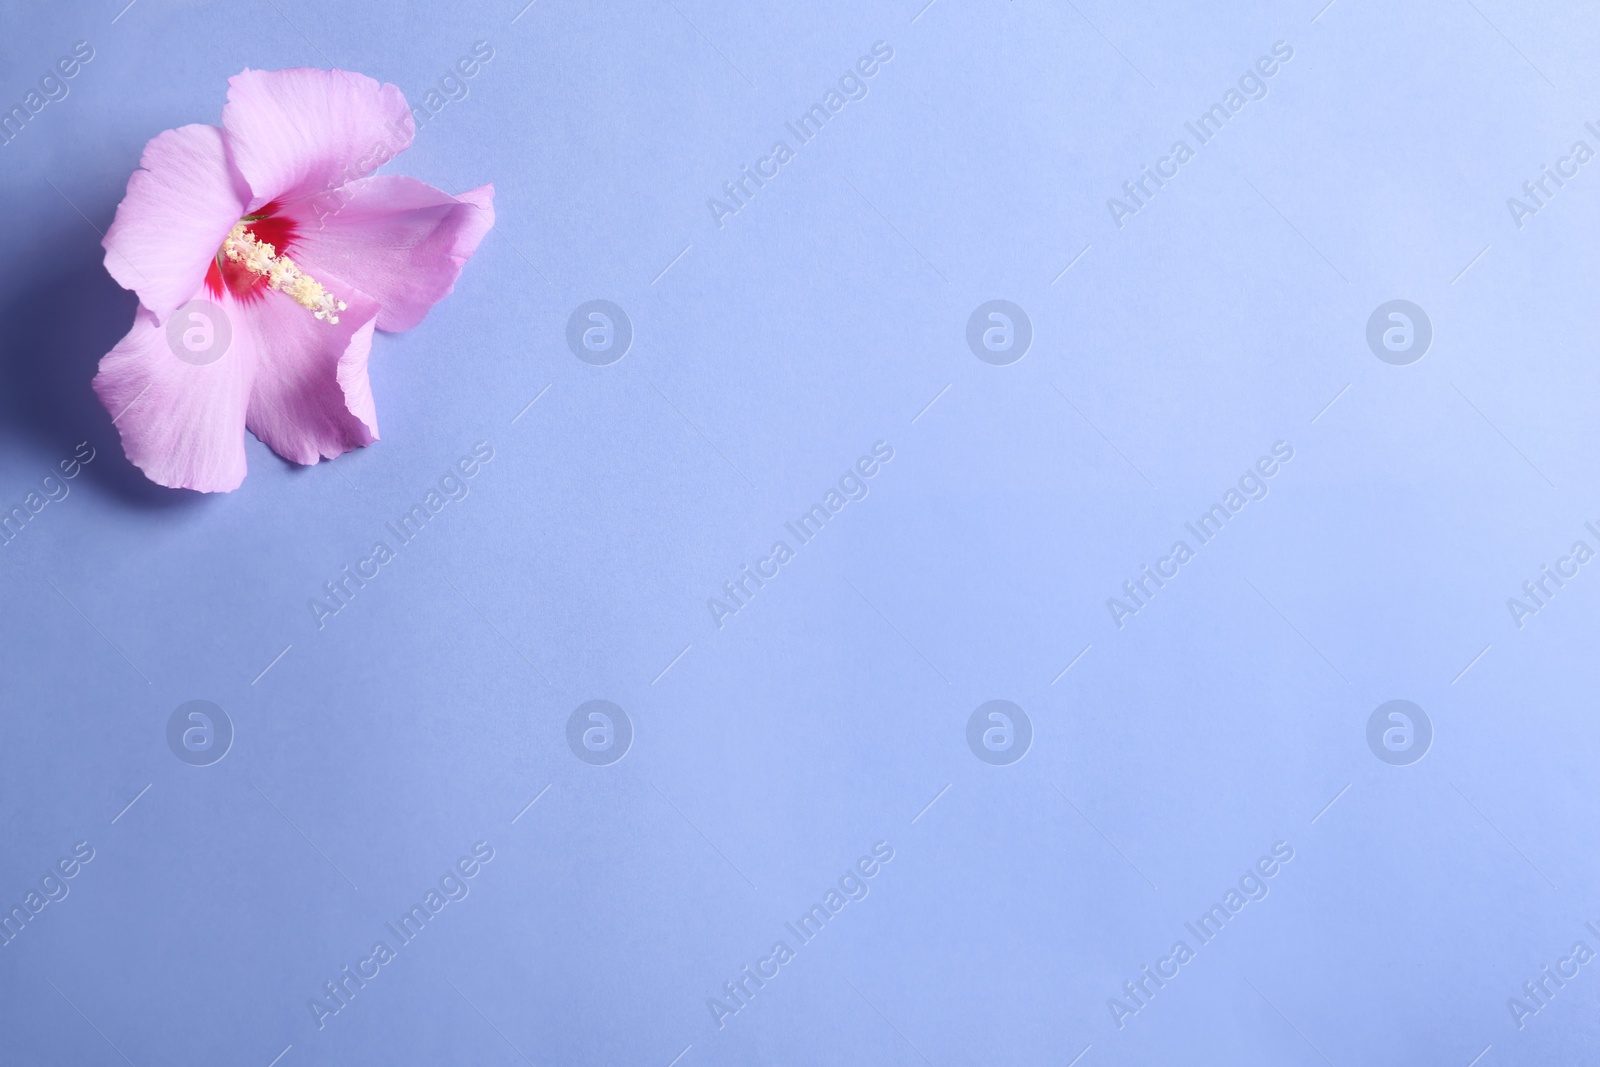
259 257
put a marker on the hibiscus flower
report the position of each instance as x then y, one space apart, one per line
264 256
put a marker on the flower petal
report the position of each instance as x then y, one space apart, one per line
312 398
178 208
397 239
296 133
178 394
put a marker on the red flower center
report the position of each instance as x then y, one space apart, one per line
268 227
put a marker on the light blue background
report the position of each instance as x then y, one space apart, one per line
827 714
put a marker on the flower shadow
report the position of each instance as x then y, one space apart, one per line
55 326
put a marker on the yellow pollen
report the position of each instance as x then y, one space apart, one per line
259 257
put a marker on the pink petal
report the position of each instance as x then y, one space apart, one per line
312 398
400 240
297 133
172 220
181 418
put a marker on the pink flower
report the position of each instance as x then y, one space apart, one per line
264 256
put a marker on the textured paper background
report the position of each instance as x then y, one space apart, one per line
831 713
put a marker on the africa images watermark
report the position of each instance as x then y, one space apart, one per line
452 486
1538 192
851 886
52 889
52 490
52 87
453 887
1539 992
852 86
1537 592
1252 85
1252 485
451 87
852 486
1252 886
